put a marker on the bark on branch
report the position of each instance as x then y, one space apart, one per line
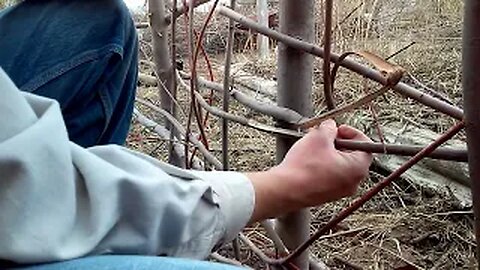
352 65
288 115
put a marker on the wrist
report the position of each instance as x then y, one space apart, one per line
290 185
274 194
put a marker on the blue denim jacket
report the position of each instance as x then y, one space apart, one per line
82 54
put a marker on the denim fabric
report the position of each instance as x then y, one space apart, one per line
81 53
131 262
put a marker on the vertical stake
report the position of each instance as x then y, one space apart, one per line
471 97
226 97
295 71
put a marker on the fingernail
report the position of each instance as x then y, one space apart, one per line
329 122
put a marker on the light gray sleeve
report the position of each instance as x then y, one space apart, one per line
60 201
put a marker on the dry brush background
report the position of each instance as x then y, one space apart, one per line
408 226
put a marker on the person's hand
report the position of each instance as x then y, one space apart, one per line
312 173
320 172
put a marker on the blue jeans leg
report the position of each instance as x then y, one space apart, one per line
131 262
81 53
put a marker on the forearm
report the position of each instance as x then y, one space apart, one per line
273 195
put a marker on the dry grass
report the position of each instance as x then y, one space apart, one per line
405 225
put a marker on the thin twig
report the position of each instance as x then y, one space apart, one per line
343 109
163 132
350 14
189 30
178 11
395 254
225 107
226 260
193 80
190 33
226 87
401 50
279 113
154 81
273 235
208 156
254 248
242 120
327 47
173 110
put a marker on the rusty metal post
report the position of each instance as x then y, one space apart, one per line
295 92
471 90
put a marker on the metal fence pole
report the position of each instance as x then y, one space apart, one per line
295 92
471 90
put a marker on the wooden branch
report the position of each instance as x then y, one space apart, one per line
254 248
174 159
393 74
208 156
194 51
163 65
445 153
327 47
226 85
225 107
295 71
352 65
179 11
263 46
288 116
343 109
226 260
166 135
242 120
273 235
278 113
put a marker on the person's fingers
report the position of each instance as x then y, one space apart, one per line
350 133
326 133
358 159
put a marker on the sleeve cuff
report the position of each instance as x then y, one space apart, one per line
236 198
